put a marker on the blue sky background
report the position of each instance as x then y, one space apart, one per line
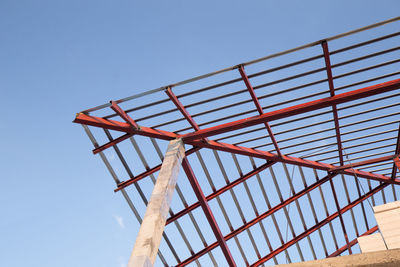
57 58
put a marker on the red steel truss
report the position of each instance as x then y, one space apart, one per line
258 142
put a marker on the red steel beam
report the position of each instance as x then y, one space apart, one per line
294 110
340 216
332 93
207 211
181 108
111 143
165 135
139 177
292 160
397 162
319 225
353 242
361 163
259 218
123 115
220 191
123 127
259 108
397 152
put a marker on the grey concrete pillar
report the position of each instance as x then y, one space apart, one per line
150 233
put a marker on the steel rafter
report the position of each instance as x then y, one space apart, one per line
262 216
145 131
353 242
310 135
292 160
258 106
295 110
181 108
276 208
123 127
340 215
123 115
325 48
320 224
220 191
207 211
269 116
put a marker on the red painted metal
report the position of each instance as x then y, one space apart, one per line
397 162
199 139
397 152
139 177
207 211
319 225
145 131
353 242
123 115
295 110
111 143
259 108
332 93
181 108
260 217
361 163
291 160
340 216
123 127
220 191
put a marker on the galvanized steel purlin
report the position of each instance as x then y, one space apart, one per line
150 171
380 119
281 80
259 218
125 195
295 110
247 63
316 115
120 126
221 190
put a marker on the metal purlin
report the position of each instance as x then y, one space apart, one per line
376 124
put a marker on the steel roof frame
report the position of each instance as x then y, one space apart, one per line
361 109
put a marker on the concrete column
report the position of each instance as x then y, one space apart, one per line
150 233
370 243
388 218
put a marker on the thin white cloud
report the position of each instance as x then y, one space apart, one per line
122 261
110 156
120 221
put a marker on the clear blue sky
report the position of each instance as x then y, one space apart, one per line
57 202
